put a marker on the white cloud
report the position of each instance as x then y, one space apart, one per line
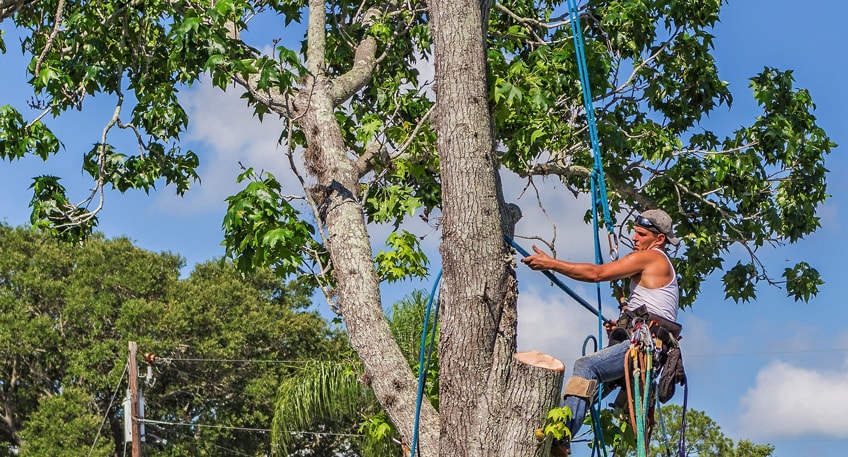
225 135
554 207
789 401
551 322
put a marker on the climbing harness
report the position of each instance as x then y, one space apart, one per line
652 366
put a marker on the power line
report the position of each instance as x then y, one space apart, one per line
727 354
827 440
248 429
294 362
190 424
109 408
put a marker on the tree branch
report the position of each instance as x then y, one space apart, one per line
57 20
317 38
9 7
365 163
528 23
364 63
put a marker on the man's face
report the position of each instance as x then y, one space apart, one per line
644 239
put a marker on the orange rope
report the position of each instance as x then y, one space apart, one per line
627 375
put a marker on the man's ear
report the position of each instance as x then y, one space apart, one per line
664 238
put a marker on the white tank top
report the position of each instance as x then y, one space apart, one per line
662 301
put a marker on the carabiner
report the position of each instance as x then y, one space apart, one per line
612 239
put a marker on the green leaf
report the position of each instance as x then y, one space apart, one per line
802 281
739 282
261 228
405 260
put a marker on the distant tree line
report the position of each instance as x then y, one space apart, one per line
223 343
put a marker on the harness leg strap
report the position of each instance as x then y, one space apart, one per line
581 387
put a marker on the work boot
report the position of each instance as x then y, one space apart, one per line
561 448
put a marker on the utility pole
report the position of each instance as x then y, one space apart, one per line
136 430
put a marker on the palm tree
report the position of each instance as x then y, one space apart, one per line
332 396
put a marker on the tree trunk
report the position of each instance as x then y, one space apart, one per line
357 291
490 402
533 389
484 400
357 285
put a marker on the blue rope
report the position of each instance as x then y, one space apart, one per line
681 444
662 426
587 340
423 366
595 408
597 182
559 283
599 188
598 439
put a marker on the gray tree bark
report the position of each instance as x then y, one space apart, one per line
336 194
490 403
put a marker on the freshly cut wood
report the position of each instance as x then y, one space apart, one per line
539 359
535 384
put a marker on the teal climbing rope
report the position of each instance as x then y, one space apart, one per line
560 284
424 357
598 181
598 190
662 426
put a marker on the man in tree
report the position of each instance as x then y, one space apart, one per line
653 285
369 146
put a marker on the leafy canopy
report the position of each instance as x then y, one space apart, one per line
654 81
651 69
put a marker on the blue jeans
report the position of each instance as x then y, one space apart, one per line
602 366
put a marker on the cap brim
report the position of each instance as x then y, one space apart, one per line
673 240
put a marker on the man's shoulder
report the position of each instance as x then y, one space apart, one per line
648 254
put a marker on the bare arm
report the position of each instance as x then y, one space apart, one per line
629 265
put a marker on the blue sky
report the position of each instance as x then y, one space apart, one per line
771 371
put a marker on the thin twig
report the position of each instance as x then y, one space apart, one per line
57 20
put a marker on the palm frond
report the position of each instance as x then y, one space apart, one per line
321 391
406 321
330 391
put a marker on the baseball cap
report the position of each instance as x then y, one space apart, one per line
658 221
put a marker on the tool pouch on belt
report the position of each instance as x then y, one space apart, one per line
665 329
671 374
